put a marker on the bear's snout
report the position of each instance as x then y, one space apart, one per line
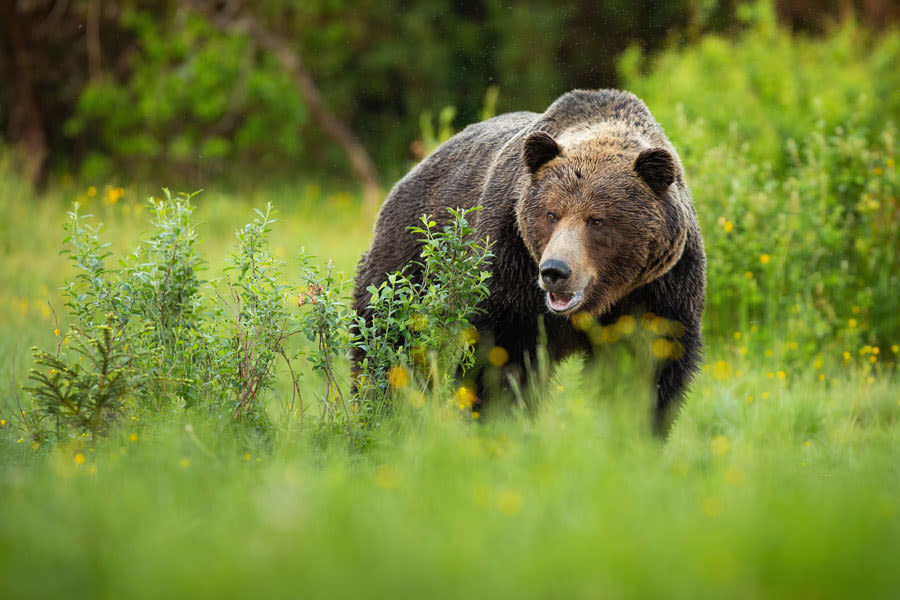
554 272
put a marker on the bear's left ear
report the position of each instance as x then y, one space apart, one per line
657 167
540 148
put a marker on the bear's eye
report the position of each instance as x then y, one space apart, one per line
595 222
551 217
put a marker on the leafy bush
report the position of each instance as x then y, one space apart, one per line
420 323
151 335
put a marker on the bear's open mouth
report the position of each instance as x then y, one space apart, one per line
561 302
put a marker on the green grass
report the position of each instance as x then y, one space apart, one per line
795 493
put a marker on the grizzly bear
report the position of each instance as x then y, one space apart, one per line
589 213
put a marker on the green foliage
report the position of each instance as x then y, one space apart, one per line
423 320
327 325
258 321
85 390
790 146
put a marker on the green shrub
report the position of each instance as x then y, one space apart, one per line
420 325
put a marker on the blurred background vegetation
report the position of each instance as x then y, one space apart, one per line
784 113
193 90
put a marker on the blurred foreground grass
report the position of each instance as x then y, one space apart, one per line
777 480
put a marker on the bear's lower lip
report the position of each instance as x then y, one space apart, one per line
561 301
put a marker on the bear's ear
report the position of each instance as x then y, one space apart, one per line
539 149
657 167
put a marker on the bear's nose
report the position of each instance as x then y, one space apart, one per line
554 272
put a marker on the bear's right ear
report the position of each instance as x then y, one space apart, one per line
540 148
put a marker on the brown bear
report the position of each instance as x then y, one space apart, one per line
589 213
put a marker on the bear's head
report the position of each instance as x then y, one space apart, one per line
600 218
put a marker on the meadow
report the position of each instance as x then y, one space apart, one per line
780 476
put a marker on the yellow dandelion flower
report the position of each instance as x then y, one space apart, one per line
79 459
626 325
582 321
386 478
91 191
398 377
20 440
719 445
846 356
873 359
807 443
855 310
498 356
867 349
468 336
781 374
768 353
736 335
509 502
749 399
133 437
875 350
748 274
895 348
727 226
821 376
663 348
817 364
56 332
35 446
877 171
721 370
185 463
465 397
870 380
247 456
2 422
764 395
476 414
765 259
770 375
92 469
851 323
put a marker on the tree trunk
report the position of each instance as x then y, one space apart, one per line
26 127
290 59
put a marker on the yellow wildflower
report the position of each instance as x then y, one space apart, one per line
386 478
765 259
398 377
748 274
468 336
509 502
781 375
133 437
498 356
465 397
719 445
721 370
728 226
851 323
185 463
79 459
